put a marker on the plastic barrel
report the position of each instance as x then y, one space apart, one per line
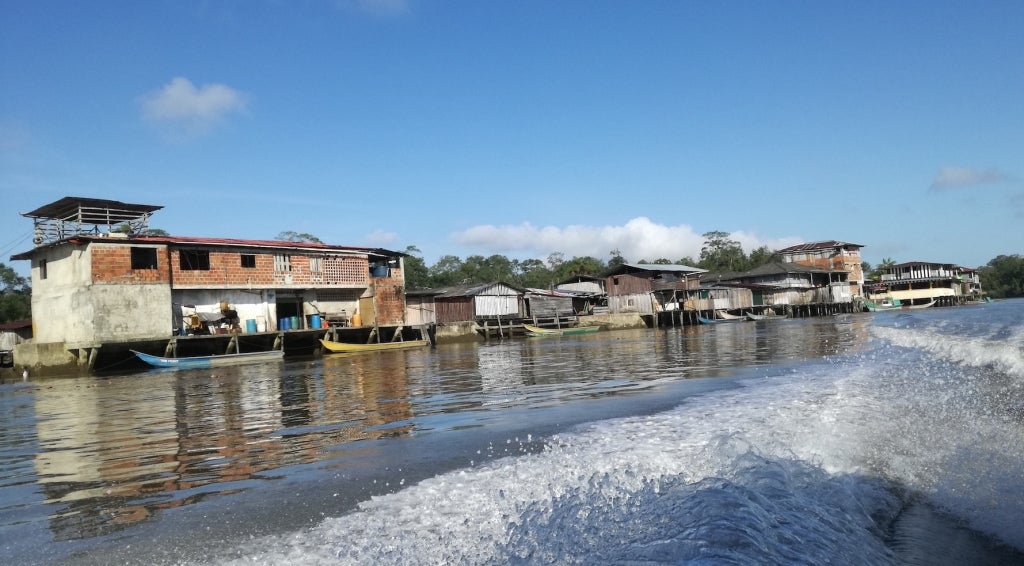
250 325
314 321
285 323
295 323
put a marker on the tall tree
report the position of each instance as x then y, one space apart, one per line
15 295
721 253
616 259
417 276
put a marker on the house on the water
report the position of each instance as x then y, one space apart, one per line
796 289
920 282
651 289
830 255
99 282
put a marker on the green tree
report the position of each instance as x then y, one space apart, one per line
290 236
687 260
1003 276
616 259
15 295
761 256
721 253
447 271
585 265
879 269
417 276
533 273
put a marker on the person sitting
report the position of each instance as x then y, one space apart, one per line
230 317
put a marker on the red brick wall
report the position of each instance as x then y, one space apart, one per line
112 263
390 301
226 269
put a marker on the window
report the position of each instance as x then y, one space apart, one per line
143 258
249 261
194 260
282 263
42 269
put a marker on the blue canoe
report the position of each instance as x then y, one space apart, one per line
210 361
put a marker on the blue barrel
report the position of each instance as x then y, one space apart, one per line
285 323
295 323
314 321
250 325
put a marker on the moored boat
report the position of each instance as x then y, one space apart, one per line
348 347
532 330
726 315
887 305
703 320
760 317
198 362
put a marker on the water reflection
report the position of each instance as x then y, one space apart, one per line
112 452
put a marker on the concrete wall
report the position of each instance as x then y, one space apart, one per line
61 308
128 312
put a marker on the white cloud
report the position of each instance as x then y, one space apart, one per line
637 239
186 111
961 177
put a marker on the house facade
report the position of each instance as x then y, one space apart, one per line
792 284
830 255
97 279
919 282
647 289
482 302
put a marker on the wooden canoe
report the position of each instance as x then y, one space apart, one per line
343 347
196 362
758 317
532 330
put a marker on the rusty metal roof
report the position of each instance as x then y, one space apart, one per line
92 210
819 246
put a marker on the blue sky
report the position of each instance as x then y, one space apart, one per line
525 128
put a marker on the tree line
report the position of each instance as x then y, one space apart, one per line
1002 277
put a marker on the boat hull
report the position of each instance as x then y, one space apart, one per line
532 330
199 362
761 317
346 347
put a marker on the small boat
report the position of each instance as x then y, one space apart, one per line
725 315
759 317
703 320
532 330
887 305
210 361
347 347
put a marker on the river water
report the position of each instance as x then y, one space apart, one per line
886 438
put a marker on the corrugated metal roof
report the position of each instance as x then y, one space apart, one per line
474 289
93 210
819 246
655 267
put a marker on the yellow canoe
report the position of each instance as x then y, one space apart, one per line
341 347
532 330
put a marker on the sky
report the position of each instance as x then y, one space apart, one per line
525 128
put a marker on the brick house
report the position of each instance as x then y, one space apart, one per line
832 255
96 278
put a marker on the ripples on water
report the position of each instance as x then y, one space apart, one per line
86 459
